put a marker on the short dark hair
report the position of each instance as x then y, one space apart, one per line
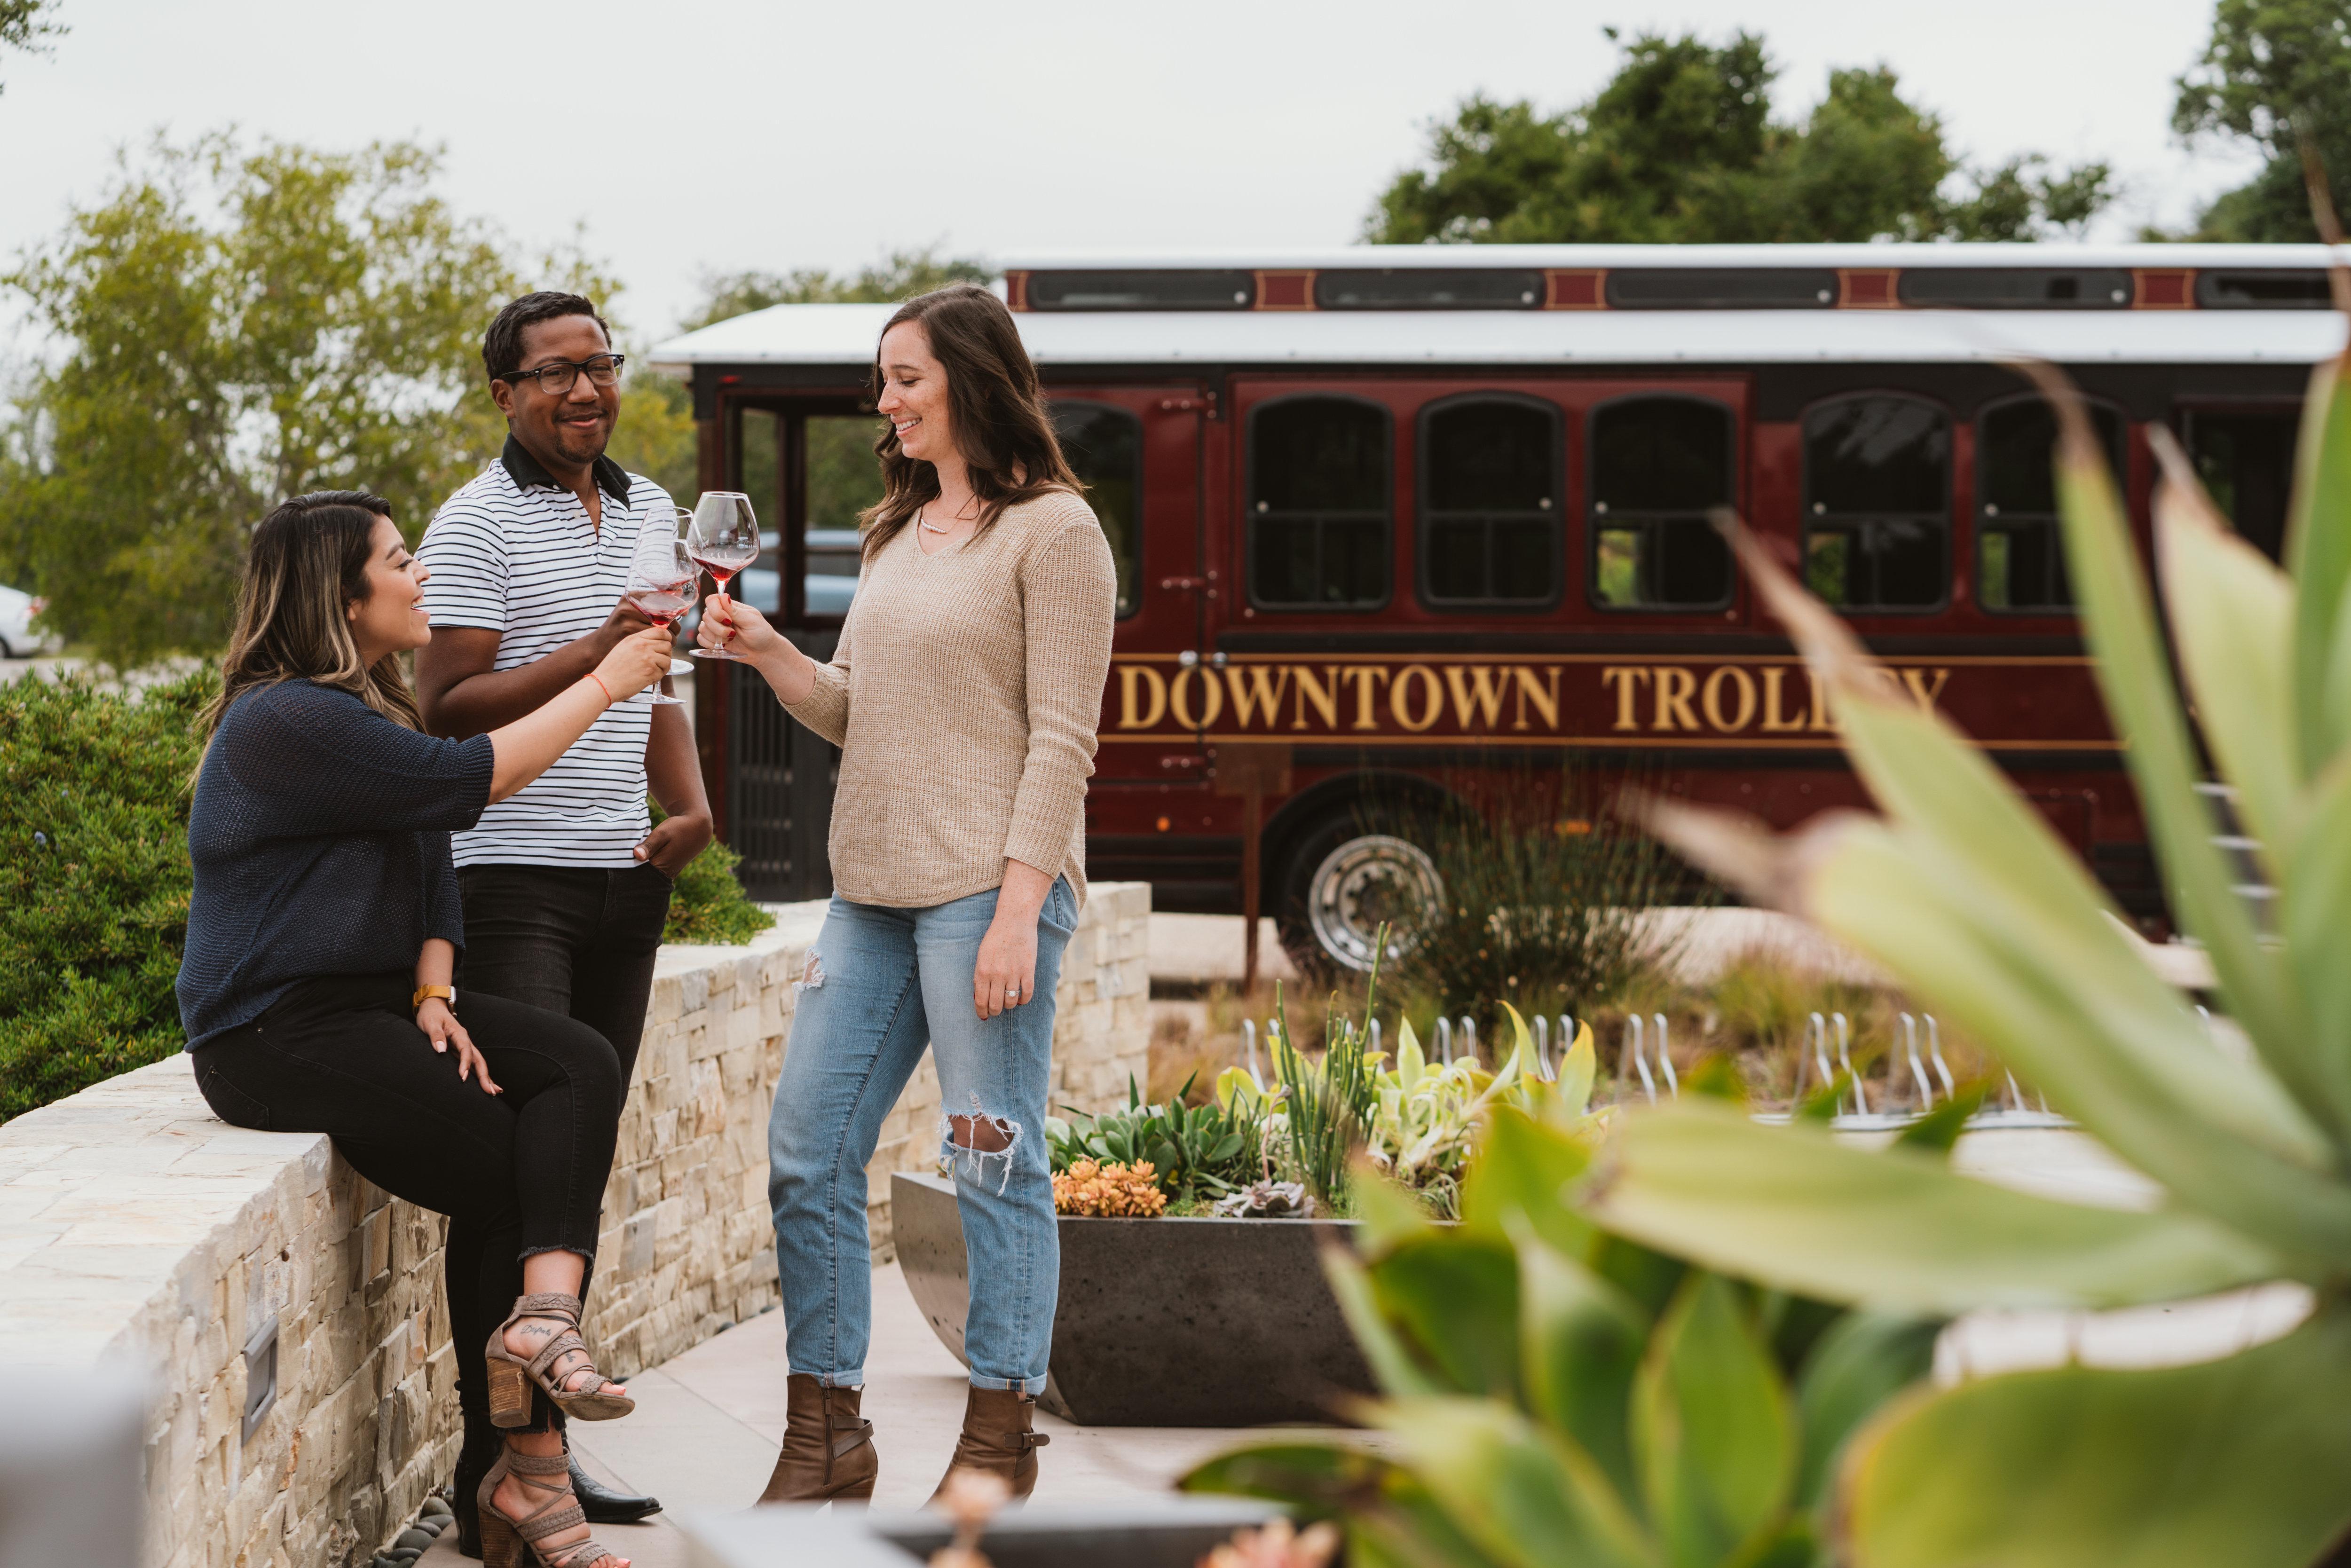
502 344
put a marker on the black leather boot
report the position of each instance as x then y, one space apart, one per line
603 1505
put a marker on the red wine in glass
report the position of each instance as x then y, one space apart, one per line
724 539
662 584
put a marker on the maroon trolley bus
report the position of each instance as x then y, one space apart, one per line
1393 523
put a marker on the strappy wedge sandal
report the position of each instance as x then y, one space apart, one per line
505 1540
511 1376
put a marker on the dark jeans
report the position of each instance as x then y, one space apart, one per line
518 1172
573 941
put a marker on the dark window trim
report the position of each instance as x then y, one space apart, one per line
1249 512
1141 463
1423 514
1982 526
1805 533
1592 500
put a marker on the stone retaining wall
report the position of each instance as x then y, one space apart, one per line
137 1230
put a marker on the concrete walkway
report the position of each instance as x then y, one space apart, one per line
705 1432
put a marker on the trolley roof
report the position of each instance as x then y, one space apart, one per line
1602 331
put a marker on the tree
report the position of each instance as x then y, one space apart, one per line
237 326
1680 147
902 276
2274 73
26 25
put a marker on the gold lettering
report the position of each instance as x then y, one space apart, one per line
1546 702
1480 695
1924 693
1823 721
1675 689
1628 679
1773 721
1132 679
1400 698
1324 699
1710 699
1366 678
1253 695
1179 697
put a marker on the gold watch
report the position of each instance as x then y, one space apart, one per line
425 993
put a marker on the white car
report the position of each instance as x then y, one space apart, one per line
18 639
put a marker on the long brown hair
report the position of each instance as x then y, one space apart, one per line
1000 423
308 564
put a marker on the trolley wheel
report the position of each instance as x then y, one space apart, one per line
1343 879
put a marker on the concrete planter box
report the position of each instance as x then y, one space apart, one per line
1162 1323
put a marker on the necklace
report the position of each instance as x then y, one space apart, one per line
923 519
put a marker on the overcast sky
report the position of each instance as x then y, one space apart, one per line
690 137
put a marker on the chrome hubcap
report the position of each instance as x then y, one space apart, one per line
1365 881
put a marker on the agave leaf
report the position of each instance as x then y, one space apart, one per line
1972 832
1864 1360
1529 1498
1578 1069
1525 1168
2137 1071
2318 556
2238 1461
2136 677
1455 1298
1393 1364
1410 1064
2132 1065
1898 1231
1713 1434
1939 1130
1580 1345
1390 1215
1238 1093
2231 615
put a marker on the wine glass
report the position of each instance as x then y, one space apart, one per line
724 538
662 583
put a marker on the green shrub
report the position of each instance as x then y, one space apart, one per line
708 904
94 882
1545 906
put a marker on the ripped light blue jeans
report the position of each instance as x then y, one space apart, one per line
881 986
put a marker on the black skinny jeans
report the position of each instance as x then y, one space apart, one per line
519 1173
569 939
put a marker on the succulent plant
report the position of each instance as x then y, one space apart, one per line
1963 891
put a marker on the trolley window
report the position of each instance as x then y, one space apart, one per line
1104 446
2245 458
2020 546
1659 466
1319 508
1490 532
1877 503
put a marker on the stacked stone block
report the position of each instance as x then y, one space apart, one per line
137 1228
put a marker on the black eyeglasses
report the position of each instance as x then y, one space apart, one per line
555 379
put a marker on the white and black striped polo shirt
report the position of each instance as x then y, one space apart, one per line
514 553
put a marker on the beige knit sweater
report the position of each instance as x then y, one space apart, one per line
964 698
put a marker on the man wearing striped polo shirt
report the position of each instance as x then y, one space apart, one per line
566 883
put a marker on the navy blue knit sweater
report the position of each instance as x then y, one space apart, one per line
320 838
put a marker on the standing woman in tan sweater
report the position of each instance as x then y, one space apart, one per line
964 698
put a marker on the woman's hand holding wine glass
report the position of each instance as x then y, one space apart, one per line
732 625
636 662
662 584
723 538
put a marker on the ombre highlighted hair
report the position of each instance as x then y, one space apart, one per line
308 565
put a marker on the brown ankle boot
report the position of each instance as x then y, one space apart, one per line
996 1439
827 1448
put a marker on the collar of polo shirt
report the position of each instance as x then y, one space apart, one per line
526 471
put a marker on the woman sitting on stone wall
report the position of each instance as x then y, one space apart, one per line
322 937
